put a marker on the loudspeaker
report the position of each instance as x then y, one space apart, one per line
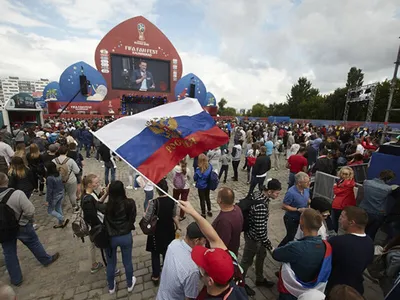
192 90
83 84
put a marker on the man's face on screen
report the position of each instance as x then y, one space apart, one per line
143 66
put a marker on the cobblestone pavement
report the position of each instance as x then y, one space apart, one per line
70 278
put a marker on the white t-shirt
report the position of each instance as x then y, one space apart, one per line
321 232
360 149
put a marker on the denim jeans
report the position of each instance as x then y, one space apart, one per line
27 235
335 215
224 170
256 181
97 153
107 172
291 181
125 243
375 222
291 225
235 165
87 148
55 208
204 196
148 195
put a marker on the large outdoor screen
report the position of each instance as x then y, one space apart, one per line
140 74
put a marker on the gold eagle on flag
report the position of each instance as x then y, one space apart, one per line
167 127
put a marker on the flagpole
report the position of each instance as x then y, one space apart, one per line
140 173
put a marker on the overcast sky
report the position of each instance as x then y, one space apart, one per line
247 51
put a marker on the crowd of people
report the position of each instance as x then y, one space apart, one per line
327 247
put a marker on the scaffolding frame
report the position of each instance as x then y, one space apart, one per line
361 97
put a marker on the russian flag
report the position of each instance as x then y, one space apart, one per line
155 140
289 283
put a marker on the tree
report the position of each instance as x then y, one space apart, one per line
381 102
300 92
355 78
222 103
259 110
335 103
229 111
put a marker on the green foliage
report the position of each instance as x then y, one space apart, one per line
225 111
355 78
259 110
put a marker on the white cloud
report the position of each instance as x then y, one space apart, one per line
94 16
241 87
33 56
322 38
17 14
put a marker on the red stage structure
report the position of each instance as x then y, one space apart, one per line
123 51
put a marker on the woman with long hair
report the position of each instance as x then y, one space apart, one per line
201 176
20 151
93 209
21 177
120 218
181 182
36 164
55 194
343 194
165 209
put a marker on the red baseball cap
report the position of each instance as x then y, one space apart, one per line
217 263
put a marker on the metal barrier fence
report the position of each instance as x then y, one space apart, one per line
323 187
360 172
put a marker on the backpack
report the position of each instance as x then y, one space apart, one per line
251 161
79 226
213 181
63 169
99 236
149 225
179 181
9 225
377 269
62 141
245 206
76 156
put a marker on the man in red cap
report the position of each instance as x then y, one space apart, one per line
215 265
216 271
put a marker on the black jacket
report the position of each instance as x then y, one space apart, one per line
123 220
90 207
262 165
26 184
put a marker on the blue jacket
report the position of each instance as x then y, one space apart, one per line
202 178
87 137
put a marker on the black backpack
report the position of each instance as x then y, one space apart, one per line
245 206
9 225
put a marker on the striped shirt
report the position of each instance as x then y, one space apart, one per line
258 221
180 275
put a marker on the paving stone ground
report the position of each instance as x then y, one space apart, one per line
70 278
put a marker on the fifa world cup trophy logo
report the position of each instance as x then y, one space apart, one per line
141 29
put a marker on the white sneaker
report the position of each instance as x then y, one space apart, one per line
35 226
129 187
130 288
113 290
